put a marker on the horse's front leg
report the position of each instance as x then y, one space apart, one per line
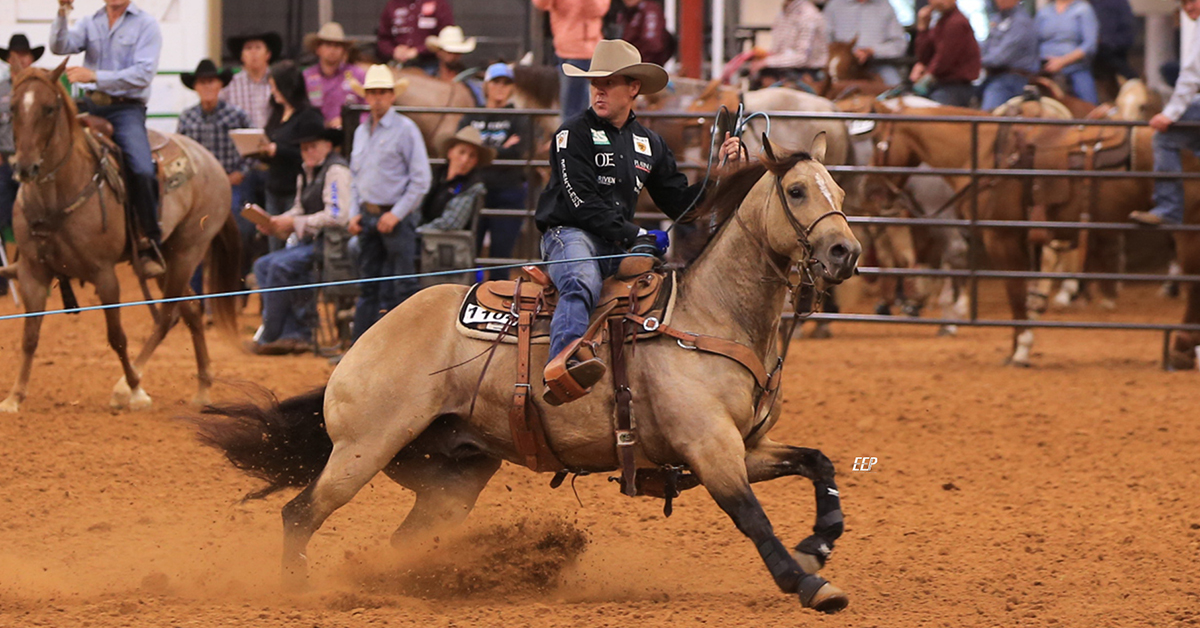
128 391
34 285
719 461
769 460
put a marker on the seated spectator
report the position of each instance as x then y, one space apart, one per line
449 46
209 123
322 202
457 186
333 81
1009 54
947 54
1184 106
874 29
511 136
642 24
799 45
1067 35
403 27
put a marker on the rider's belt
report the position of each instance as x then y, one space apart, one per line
101 99
373 209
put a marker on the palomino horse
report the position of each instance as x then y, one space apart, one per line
1136 101
69 224
397 404
426 91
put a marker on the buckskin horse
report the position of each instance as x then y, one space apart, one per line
410 401
69 224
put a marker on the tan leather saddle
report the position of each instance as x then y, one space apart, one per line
175 168
634 289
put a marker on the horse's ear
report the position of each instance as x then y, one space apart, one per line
819 144
770 152
58 72
854 42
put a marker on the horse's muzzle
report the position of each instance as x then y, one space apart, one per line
838 259
27 172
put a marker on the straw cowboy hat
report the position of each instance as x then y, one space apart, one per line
206 69
381 77
272 40
20 43
451 39
614 57
330 33
470 135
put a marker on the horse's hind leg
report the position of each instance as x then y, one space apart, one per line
446 491
720 464
33 291
769 460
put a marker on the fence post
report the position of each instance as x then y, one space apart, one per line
972 241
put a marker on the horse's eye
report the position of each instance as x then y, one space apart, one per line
796 192
47 109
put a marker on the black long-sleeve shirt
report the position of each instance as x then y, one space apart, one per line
285 166
598 171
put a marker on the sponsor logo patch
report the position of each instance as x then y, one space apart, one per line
641 165
560 140
641 145
605 180
600 137
604 160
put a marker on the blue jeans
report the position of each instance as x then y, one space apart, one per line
276 205
953 94
252 190
8 195
1168 193
889 74
384 255
578 283
1082 81
1000 89
574 94
129 132
291 313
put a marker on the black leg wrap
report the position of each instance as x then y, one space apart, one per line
817 547
808 587
783 567
829 511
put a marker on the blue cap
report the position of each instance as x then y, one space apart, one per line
498 70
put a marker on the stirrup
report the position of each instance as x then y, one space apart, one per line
568 380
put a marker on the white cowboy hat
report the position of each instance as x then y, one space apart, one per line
451 39
331 32
470 135
381 77
620 58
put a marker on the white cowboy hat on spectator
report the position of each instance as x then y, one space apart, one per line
451 39
615 57
381 77
331 33
470 135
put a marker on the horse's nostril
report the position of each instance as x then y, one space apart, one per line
838 253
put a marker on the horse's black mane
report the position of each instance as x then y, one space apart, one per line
722 201
539 82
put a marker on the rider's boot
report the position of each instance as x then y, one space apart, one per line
572 373
144 197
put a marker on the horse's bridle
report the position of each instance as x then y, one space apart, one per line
58 106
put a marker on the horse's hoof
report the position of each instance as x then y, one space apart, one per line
1108 304
10 405
821 332
947 331
1061 300
809 563
821 596
140 400
1019 362
121 394
202 398
295 575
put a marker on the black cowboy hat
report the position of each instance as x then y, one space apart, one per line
313 132
206 69
20 43
273 41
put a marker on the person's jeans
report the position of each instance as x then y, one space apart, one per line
1168 193
129 132
287 314
1000 89
578 283
384 255
276 205
252 190
574 94
8 195
889 74
504 231
953 94
1082 81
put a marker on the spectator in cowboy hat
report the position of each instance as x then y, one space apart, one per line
457 186
391 176
18 56
449 46
333 81
210 122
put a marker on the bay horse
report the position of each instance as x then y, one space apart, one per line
69 224
397 403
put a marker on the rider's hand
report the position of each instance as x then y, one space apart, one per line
918 71
387 222
1160 122
404 53
731 149
81 75
924 16
1053 65
355 226
236 178
864 54
654 242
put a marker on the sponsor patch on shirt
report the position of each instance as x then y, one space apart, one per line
641 165
641 145
600 137
606 180
561 139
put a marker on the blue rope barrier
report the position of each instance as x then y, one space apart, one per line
326 284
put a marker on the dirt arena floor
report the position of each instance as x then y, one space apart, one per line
1062 495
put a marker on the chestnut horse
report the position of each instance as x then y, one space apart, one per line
69 224
396 403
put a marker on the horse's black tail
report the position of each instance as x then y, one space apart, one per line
282 442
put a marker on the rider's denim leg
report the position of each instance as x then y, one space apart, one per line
129 132
578 283
1000 89
1082 82
1168 193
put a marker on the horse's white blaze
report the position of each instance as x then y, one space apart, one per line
821 185
28 102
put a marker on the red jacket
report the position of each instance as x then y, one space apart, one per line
409 22
949 49
645 27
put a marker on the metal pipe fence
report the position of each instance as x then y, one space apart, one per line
971 223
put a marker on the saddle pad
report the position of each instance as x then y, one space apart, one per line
477 320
